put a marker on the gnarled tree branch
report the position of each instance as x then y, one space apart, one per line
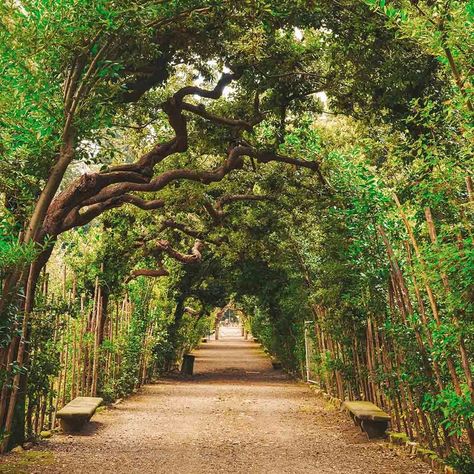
75 196
93 194
163 246
227 122
235 160
75 217
194 256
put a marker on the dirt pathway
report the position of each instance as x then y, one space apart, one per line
236 415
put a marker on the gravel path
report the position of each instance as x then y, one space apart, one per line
236 415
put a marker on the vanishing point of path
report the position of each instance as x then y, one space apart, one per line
236 415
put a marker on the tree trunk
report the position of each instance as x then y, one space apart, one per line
14 425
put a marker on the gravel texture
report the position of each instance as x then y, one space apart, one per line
235 415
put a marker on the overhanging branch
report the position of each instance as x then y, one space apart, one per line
194 256
93 194
163 246
227 122
83 192
160 272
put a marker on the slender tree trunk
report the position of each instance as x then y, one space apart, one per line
16 411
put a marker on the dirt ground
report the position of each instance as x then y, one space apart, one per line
235 415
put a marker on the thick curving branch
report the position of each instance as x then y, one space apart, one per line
76 218
225 121
160 272
163 246
194 256
234 161
142 203
75 196
215 93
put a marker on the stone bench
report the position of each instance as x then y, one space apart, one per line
368 417
77 412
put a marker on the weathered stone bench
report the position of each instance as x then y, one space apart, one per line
368 417
77 412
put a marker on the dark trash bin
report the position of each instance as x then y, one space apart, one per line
187 366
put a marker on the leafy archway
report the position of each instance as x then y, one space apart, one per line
309 161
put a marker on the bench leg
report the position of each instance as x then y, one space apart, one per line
72 425
374 429
357 422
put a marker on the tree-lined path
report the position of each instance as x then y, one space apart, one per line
235 415
304 168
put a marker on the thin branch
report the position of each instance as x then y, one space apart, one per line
224 200
171 224
201 235
142 203
137 127
78 94
167 21
202 112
